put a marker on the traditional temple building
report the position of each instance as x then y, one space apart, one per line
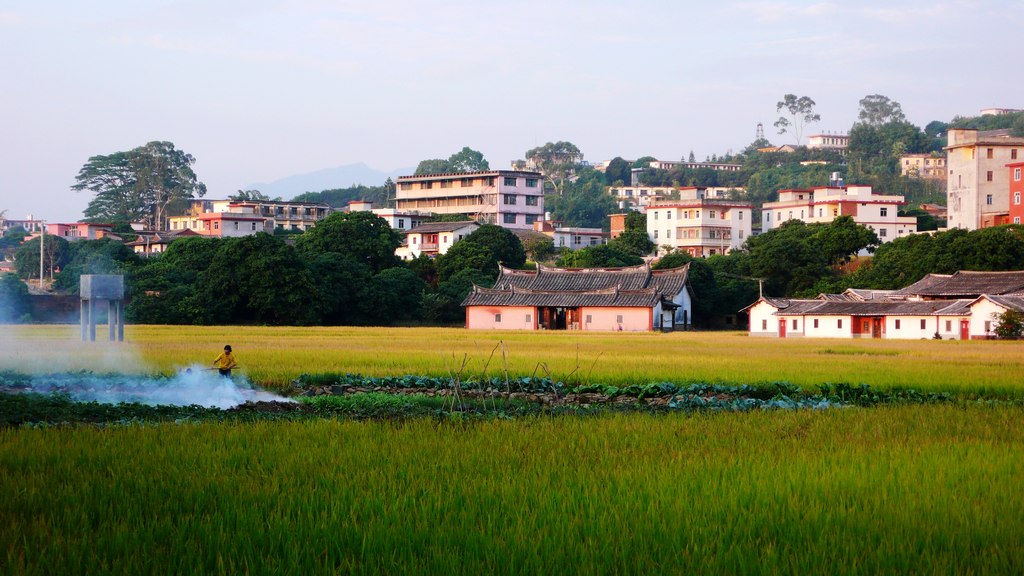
629 299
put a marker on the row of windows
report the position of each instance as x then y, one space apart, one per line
466 183
512 200
686 214
867 324
510 218
990 153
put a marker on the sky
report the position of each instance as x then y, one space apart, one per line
257 90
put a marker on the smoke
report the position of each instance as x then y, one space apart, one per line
193 385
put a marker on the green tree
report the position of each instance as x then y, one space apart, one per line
55 255
801 110
585 202
1010 325
15 302
468 160
396 295
600 256
644 162
465 160
142 183
876 110
344 286
634 239
103 256
483 250
557 161
252 196
618 170
258 279
363 236
433 166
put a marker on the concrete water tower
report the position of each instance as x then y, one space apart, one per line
107 288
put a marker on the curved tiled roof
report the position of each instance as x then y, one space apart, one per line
972 283
632 286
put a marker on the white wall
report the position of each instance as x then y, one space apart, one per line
762 323
607 319
910 327
828 327
981 312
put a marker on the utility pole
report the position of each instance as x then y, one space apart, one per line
42 242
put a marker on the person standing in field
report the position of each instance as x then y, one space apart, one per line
225 362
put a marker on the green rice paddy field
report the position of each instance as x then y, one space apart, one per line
892 489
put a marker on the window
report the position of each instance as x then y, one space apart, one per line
655 214
897 323
764 324
988 153
618 318
988 199
883 212
236 225
815 322
531 218
405 186
531 182
668 233
801 214
794 323
426 185
988 176
510 181
497 318
401 223
949 325
741 234
882 232
711 213
923 321
835 212
1016 197
467 182
593 240
253 225
531 200
1016 174
655 234
529 318
509 218
739 215
487 181
589 318
867 325
1016 219
839 323
509 199
988 326
821 212
216 225
1013 154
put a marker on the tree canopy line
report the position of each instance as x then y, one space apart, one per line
343 271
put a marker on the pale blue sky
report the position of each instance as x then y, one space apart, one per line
258 90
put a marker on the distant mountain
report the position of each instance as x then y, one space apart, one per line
326 179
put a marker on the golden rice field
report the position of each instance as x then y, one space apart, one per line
273 356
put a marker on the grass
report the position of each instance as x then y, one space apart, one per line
924 489
274 356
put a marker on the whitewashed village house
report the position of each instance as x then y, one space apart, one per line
434 238
628 299
961 306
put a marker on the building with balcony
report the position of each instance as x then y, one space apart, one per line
977 186
929 166
699 225
509 198
81 231
29 224
434 238
1016 192
823 205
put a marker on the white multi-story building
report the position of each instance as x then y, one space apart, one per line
403 220
699 225
978 184
508 198
434 238
822 205
839 142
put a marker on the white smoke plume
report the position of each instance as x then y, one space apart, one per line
194 385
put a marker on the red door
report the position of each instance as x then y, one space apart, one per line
782 328
965 329
876 330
